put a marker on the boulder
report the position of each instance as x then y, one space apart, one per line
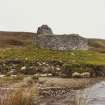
76 75
1 76
13 75
44 30
23 68
85 75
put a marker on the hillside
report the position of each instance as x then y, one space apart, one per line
17 47
97 45
15 39
11 40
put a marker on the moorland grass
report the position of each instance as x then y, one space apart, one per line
77 56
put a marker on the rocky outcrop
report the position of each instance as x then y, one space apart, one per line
51 69
62 42
46 39
44 30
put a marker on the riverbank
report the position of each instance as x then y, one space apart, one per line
63 91
73 83
65 86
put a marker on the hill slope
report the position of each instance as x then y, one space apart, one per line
15 39
95 55
97 45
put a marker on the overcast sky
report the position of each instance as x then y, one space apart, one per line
85 17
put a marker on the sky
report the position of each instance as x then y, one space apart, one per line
84 17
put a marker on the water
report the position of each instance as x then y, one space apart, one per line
94 95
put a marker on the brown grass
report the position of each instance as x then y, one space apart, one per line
18 97
16 93
15 39
70 83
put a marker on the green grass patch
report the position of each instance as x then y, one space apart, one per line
81 57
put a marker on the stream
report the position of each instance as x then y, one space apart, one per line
94 95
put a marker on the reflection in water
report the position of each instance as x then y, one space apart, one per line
94 95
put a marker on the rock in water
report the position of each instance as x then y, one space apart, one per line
44 30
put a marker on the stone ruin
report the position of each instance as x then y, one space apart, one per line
47 40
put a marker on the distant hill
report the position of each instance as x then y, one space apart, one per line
97 45
15 39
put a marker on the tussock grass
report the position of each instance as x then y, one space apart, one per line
17 94
7 80
19 97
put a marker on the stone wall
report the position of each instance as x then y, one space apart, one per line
61 42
